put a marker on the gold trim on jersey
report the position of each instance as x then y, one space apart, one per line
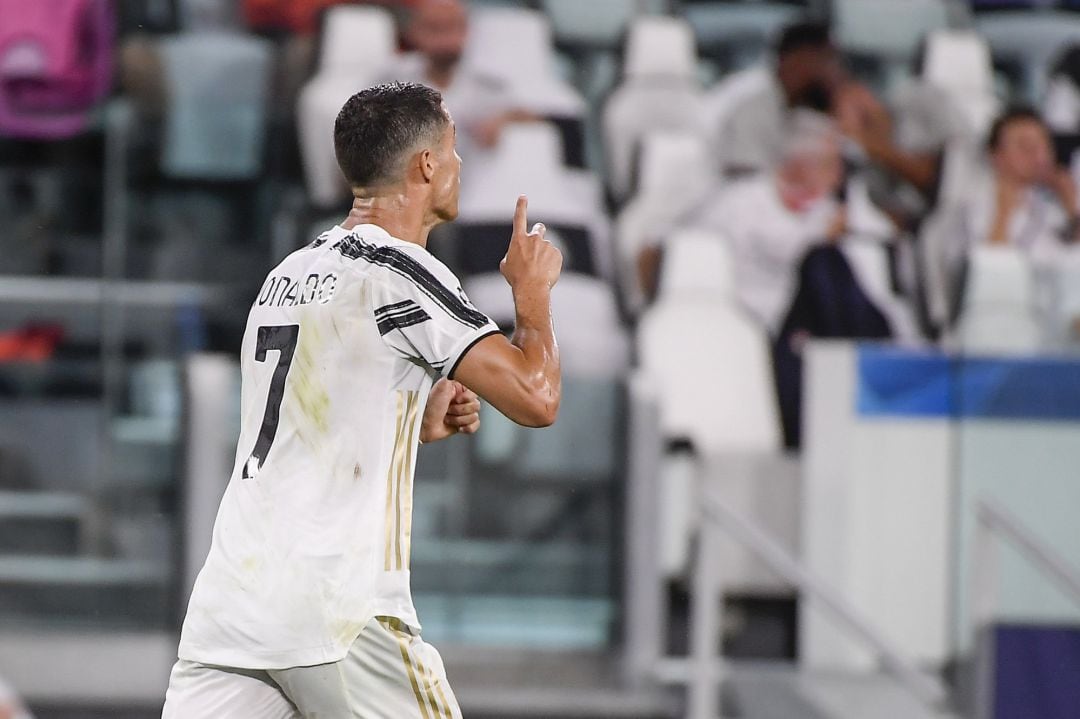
399 516
425 693
405 538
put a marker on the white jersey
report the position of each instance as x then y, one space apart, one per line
342 346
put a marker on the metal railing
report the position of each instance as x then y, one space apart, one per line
999 521
719 521
646 606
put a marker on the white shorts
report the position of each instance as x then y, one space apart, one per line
389 673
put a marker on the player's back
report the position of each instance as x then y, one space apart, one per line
342 345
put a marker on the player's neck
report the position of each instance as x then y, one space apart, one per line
401 216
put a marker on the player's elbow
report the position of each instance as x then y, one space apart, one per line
539 405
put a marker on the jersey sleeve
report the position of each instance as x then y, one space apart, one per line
423 314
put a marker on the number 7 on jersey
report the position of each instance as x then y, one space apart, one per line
283 339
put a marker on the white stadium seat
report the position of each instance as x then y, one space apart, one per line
357 43
674 173
357 39
317 108
958 62
696 266
660 47
659 91
712 370
516 45
999 304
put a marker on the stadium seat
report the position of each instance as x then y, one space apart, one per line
527 161
319 103
516 45
737 35
660 47
674 175
357 42
958 63
697 265
594 24
218 86
659 91
592 340
998 313
356 39
887 28
887 31
712 369
1030 40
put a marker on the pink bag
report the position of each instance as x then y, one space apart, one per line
56 63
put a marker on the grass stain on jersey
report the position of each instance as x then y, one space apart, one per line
308 393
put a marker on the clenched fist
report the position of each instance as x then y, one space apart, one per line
451 408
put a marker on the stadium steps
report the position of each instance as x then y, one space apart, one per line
782 691
41 523
93 590
518 684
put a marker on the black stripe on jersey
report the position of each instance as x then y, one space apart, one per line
395 308
407 267
401 321
321 240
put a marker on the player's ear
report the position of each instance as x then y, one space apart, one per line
427 163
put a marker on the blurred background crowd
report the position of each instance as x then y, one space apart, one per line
806 241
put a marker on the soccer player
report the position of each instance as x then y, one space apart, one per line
358 347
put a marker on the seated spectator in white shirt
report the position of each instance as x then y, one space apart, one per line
771 220
1023 200
784 229
481 105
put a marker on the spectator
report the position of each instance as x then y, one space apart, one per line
784 229
480 103
772 219
1024 200
806 73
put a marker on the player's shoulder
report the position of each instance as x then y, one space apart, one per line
395 261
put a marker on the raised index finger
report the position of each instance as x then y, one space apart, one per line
520 212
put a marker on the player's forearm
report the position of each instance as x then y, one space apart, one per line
534 335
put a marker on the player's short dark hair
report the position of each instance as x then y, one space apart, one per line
1017 113
803 35
378 126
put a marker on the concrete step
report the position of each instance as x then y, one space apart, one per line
41 523
76 591
782 691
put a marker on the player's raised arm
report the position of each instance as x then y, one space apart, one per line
521 377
